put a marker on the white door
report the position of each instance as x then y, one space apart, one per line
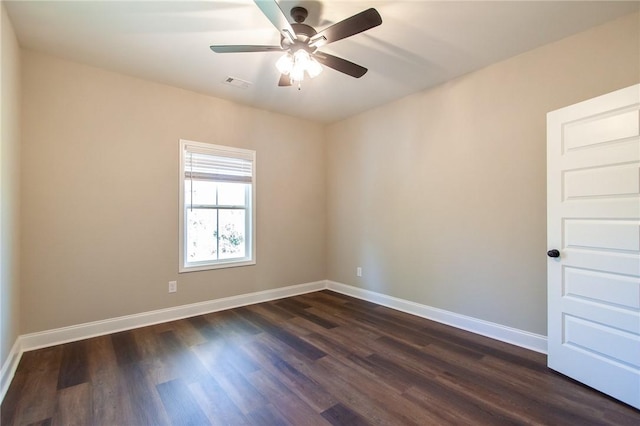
593 221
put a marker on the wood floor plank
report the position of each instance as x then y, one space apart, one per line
181 406
107 383
267 415
339 415
125 348
292 303
490 393
293 409
271 311
232 325
621 416
187 333
204 327
368 395
146 407
451 408
108 386
367 319
243 394
45 422
575 396
74 406
305 388
14 395
432 383
300 311
292 340
318 358
145 342
74 365
180 360
487 350
299 327
344 341
216 404
39 388
362 393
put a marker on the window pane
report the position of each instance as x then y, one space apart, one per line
201 234
216 218
231 194
232 234
204 192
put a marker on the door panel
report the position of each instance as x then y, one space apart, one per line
619 347
602 234
593 190
620 263
599 129
620 318
608 288
617 152
602 182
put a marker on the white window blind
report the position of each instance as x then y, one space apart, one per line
216 164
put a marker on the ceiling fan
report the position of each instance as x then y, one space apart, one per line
300 42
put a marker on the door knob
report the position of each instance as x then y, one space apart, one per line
553 253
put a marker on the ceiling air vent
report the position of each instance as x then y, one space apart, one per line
237 82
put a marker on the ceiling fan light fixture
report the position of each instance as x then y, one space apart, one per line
300 60
313 68
297 64
297 74
285 64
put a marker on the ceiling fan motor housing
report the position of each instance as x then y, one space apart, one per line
303 32
299 14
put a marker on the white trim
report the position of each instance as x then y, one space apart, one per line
525 339
28 342
9 367
250 225
32 341
98 328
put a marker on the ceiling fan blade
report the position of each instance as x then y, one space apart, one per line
339 64
272 11
245 48
284 81
356 24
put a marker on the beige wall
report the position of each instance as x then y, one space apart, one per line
441 196
100 194
9 174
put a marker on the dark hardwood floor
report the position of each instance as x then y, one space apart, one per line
316 359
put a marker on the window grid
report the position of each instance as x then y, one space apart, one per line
219 166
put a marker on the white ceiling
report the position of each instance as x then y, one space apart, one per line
420 44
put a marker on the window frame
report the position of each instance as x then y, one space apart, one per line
250 209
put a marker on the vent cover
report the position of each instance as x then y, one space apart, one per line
237 82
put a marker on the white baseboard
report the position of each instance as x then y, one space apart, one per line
28 342
98 328
525 339
9 368
32 341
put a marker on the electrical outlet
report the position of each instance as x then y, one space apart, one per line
358 271
173 286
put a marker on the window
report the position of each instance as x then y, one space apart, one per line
217 216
